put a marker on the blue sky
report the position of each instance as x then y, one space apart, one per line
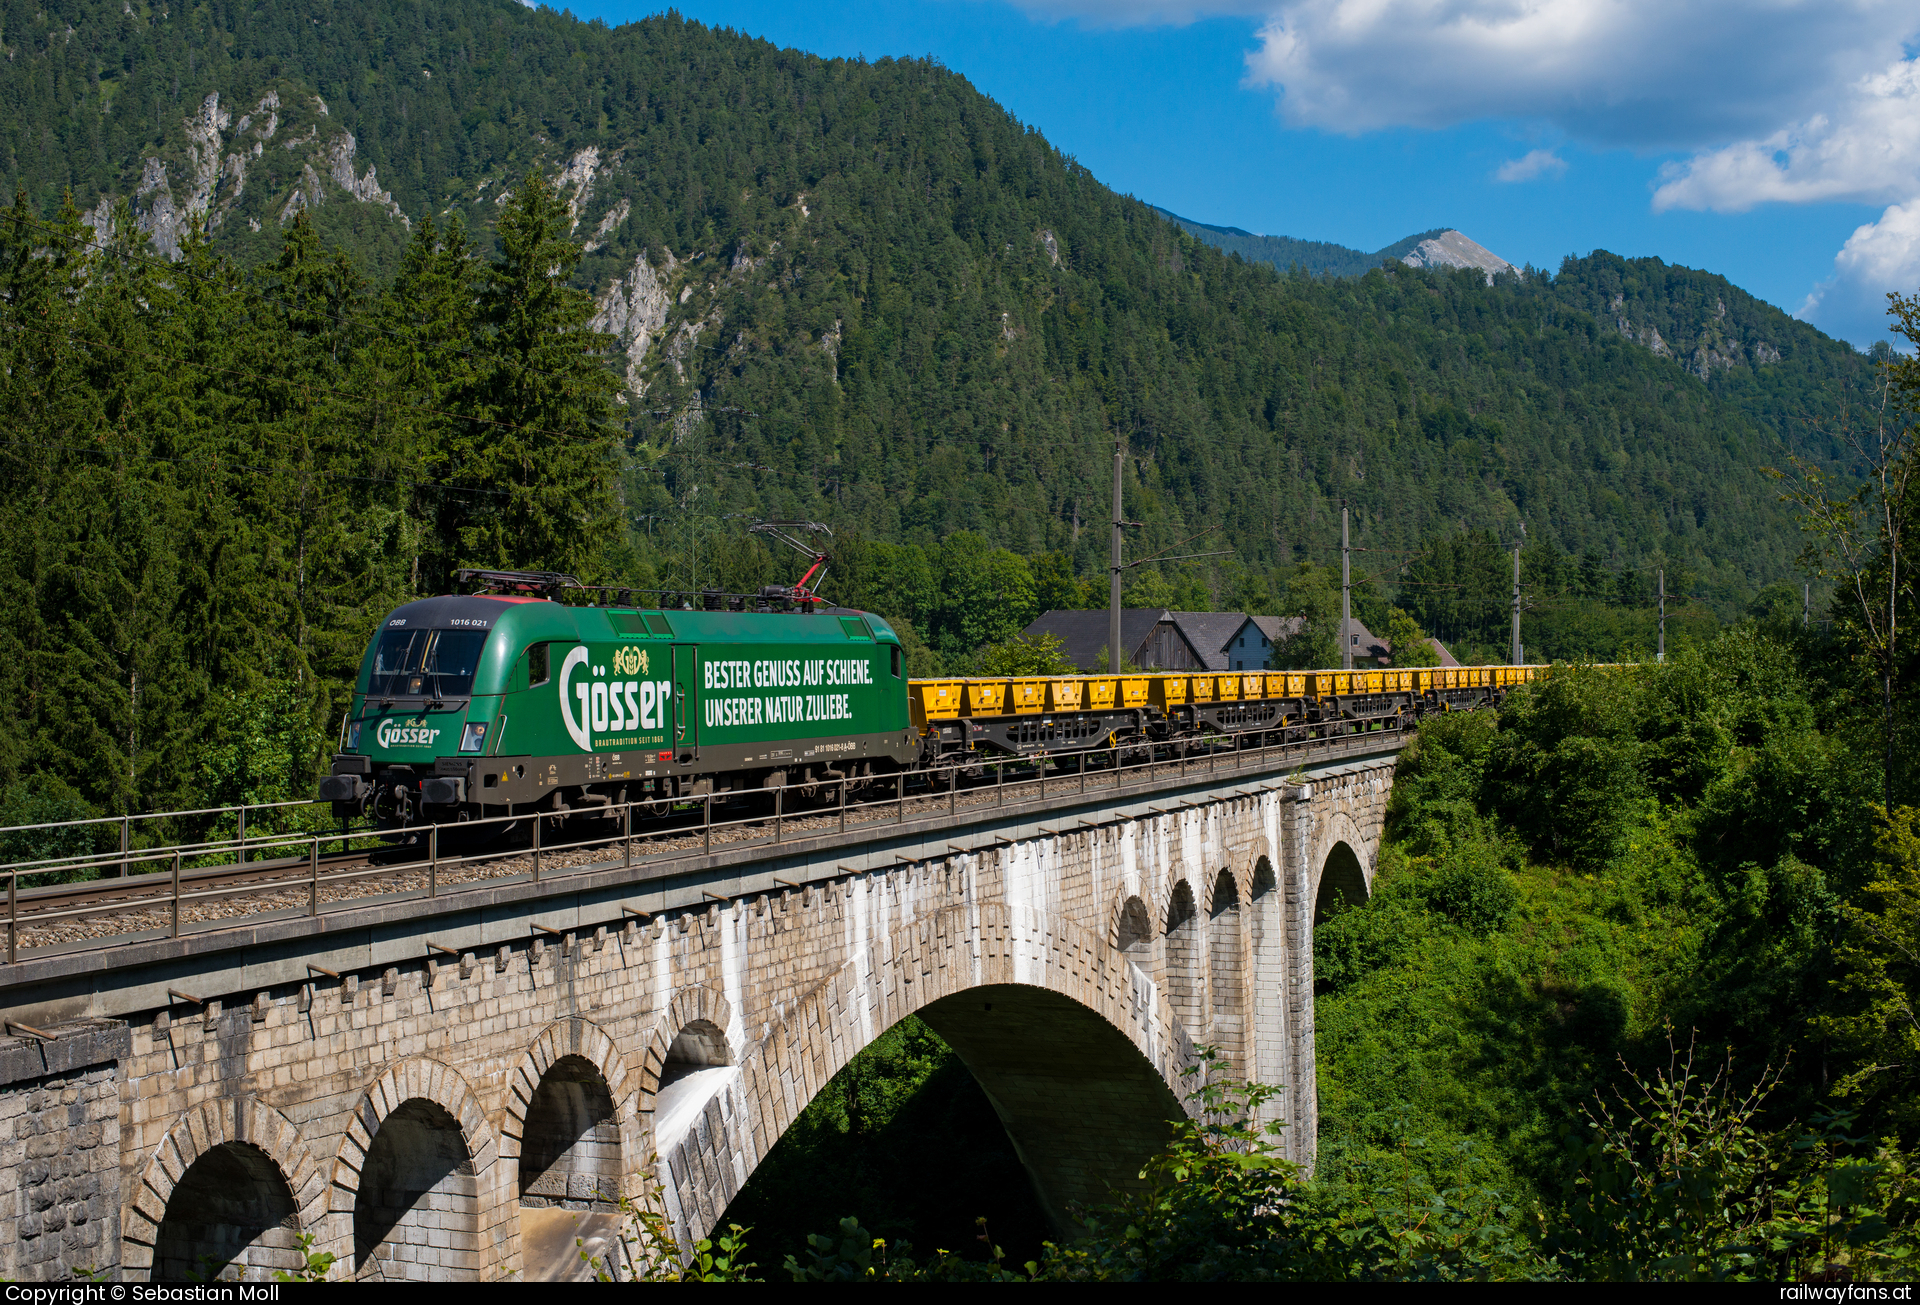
1774 141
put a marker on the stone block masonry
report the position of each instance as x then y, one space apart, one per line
411 1114
60 1143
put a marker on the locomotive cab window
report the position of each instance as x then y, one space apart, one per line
893 651
539 665
426 663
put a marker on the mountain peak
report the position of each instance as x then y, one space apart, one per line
1451 248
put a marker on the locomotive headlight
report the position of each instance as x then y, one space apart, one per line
353 736
472 737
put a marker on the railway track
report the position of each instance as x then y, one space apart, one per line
186 899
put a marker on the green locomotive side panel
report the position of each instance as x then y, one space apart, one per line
516 677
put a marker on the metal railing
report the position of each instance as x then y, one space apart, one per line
307 878
127 824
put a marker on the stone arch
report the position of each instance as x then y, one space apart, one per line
1019 994
427 1202
1180 940
1343 881
1226 974
687 1055
1131 932
246 1186
1342 866
577 1053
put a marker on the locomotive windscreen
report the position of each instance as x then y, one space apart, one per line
426 663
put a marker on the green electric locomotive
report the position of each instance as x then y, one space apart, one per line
505 701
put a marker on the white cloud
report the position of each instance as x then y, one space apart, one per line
1642 73
1864 147
1532 164
1878 257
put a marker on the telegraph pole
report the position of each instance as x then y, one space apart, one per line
1346 594
1662 654
1516 596
1113 579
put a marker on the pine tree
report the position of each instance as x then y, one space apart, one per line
543 396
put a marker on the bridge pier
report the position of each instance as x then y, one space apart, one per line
432 1119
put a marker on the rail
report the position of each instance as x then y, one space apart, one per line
318 873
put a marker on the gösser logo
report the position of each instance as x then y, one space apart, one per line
393 734
611 704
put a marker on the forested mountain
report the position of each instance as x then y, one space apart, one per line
1316 257
854 292
939 322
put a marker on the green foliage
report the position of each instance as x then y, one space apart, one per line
314 1265
986 594
859 1256
1408 641
1695 835
1312 594
261 746
1684 1181
887 306
1040 654
1147 588
1473 888
1566 770
1875 1027
541 433
1219 1203
922 661
233 475
721 1259
1056 588
46 800
1314 257
651 1253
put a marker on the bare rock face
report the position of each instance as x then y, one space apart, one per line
99 221
578 176
634 309
208 182
611 219
306 193
1452 249
366 189
157 215
204 138
830 346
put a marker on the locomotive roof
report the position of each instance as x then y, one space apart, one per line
535 618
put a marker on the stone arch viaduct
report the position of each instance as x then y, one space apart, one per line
441 1090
